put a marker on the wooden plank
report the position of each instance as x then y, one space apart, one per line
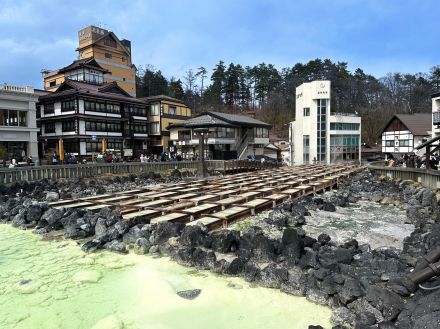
152 204
224 193
230 200
257 204
172 217
209 222
198 210
98 207
184 196
144 214
176 206
231 212
75 205
206 197
160 195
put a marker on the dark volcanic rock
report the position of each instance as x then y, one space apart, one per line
389 303
272 276
329 256
225 241
235 267
192 236
33 213
189 294
351 290
52 216
166 230
141 246
91 245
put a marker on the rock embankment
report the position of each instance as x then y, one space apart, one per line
363 286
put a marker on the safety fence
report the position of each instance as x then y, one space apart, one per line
427 177
53 172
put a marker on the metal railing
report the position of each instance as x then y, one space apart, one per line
53 172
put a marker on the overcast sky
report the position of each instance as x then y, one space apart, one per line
379 36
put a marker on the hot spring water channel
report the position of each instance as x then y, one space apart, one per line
53 284
56 285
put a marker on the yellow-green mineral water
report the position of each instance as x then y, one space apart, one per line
45 285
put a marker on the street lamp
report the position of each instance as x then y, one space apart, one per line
201 168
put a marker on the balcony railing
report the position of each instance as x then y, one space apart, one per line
343 114
17 89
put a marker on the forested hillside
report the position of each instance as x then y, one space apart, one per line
270 92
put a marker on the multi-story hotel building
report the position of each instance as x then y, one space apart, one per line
319 135
163 111
18 125
105 48
81 114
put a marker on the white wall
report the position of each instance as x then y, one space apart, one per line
307 95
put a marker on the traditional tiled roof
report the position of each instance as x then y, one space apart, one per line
217 119
156 98
109 91
87 62
418 124
240 119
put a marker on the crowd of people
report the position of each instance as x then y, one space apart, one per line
413 161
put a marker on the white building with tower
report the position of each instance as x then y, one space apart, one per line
318 134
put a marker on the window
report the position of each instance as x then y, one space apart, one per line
154 128
137 111
112 145
172 110
154 109
261 132
123 58
68 126
22 118
112 108
140 128
108 41
114 127
321 129
87 75
49 127
93 147
108 55
404 142
53 83
389 143
13 118
49 108
306 148
306 111
68 105
184 135
344 147
344 126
